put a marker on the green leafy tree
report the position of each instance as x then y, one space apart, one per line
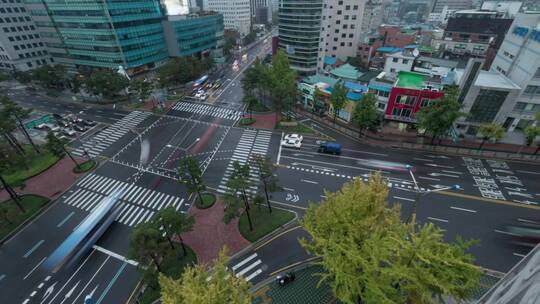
228 46
370 256
355 61
282 83
174 223
10 160
365 112
50 76
181 70
146 245
238 184
201 284
490 131
191 176
57 147
439 116
338 99
250 101
23 77
8 125
76 83
269 181
142 87
318 99
532 132
17 113
105 82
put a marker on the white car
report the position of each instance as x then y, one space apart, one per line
292 141
69 132
204 96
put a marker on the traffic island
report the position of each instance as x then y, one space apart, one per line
13 217
208 200
263 221
85 167
246 121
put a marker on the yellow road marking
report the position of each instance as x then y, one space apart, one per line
292 265
276 236
489 200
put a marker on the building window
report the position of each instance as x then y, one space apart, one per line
537 73
405 61
345 26
401 112
346 17
350 35
347 7
338 21
353 17
392 70
486 105
355 7
395 60
29 64
339 12
340 3
342 44
532 90
424 102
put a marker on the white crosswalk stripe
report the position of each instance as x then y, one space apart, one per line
137 204
209 110
249 268
100 142
251 142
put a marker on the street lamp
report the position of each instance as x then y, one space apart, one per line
419 192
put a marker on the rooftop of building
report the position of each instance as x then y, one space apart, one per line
326 83
198 14
488 79
330 60
402 55
346 71
389 49
411 80
368 76
438 61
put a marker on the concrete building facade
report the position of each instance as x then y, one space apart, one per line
21 45
518 58
237 14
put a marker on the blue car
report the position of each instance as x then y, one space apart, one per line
330 148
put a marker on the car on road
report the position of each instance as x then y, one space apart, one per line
79 127
69 132
525 234
89 122
204 96
63 123
329 148
57 116
292 141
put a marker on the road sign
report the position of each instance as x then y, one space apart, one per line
36 122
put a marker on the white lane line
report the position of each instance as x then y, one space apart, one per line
404 198
528 221
463 209
437 219
518 254
288 189
529 172
430 178
452 172
251 266
115 255
244 261
422 159
505 232
279 152
254 274
28 274
309 181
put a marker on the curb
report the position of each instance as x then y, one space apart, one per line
27 221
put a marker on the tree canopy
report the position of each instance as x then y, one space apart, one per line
201 284
438 117
282 83
181 70
365 112
105 82
370 256
50 76
338 99
191 176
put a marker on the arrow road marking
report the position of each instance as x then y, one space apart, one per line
70 292
439 166
48 292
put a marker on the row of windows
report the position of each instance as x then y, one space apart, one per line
18 28
532 90
346 17
23 37
411 100
14 19
28 45
397 60
347 7
14 10
32 54
524 106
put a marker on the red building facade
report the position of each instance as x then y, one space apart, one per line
404 103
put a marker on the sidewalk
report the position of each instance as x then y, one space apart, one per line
210 233
263 121
50 183
392 138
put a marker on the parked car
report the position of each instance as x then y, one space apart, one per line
69 132
292 141
42 126
79 127
204 96
89 122
330 148
63 123
53 128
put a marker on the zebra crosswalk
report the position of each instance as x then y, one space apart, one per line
251 142
137 205
110 135
249 268
205 109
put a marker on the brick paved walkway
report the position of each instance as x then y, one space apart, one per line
264 121
210 233
50 183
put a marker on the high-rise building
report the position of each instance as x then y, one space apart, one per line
299 32
519 60
341 26
21 46
236 13
260 11
373 16
106 34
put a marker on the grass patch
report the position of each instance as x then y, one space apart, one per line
208 200
173 266
11 216
246 121
37 163
86 166
300 128
263 222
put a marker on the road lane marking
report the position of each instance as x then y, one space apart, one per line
518 254
293 265
111 283
244 261
529 172
29 252
91 279
452 172
309 181
115 255
437 219
528 221
288 205
288 189
28 274
463 209
276 236
505 232
334 164
430 178
404 198
279 152
65 219
422 159
489 200
250 267
254 274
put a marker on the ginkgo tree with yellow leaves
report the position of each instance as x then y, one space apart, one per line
202 284
370 256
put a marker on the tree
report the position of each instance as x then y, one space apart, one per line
174 223
146 244
23 77
50 76
105 82
181 70
533 131
370 256
282 83
355 61
228 46
250 101
338 99
238 184
11 109
318 98
191 176
439 116
365 112
57 148
266 170
490 131
142 87
204 285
